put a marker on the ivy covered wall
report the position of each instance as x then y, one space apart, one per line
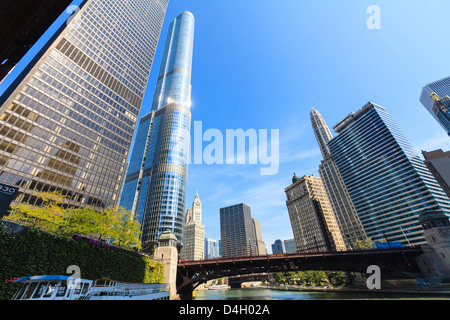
34 252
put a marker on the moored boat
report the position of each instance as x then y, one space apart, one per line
57 287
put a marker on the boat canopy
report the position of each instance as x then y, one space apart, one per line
43 278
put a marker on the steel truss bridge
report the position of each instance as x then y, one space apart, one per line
191 274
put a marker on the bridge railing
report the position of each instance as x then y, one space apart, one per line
296 255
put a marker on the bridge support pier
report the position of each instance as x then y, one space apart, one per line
167 254
186 295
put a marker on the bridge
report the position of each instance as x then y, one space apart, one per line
191 274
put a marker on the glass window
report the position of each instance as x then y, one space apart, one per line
62 289
50 290
22 289
30 291
40 290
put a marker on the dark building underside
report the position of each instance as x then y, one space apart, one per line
22 23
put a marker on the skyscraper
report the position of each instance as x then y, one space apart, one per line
341 203
387 181
438 162
236 231
69 123
442 89
155 187
441 109
197 209
289 246
312 219
260 245
194 233
211 249
278 247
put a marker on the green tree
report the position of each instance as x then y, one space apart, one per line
337 278
315 277
364 244
127 231
114 223
279 277
49 216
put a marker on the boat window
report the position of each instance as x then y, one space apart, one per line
40 290
79 287
22 289
85 288
30 291
62 289
50 290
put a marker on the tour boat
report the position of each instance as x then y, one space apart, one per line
56 287
218 287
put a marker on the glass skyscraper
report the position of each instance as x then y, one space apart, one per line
211 249
68 125
442 89
441 109
388 183
343 208
237 237
155 186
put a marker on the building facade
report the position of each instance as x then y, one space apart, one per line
236 231
155 187
387 181
441 109
442 89
194 233
289 246
312 219
69 124
260 245
438 162
341 203
278 247
211 249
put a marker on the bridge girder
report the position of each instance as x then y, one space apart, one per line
193 273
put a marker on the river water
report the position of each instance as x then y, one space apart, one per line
267 294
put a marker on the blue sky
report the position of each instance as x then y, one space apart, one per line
262 64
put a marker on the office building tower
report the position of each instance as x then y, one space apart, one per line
68 124
236 231
312 219
155 188
321 132
438 162
211 249
124 175
387 181
188 217
442 89
289 246
441 109
278 247
341 203
260 245
197 209
194 242
194 233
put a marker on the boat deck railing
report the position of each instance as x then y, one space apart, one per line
112 288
